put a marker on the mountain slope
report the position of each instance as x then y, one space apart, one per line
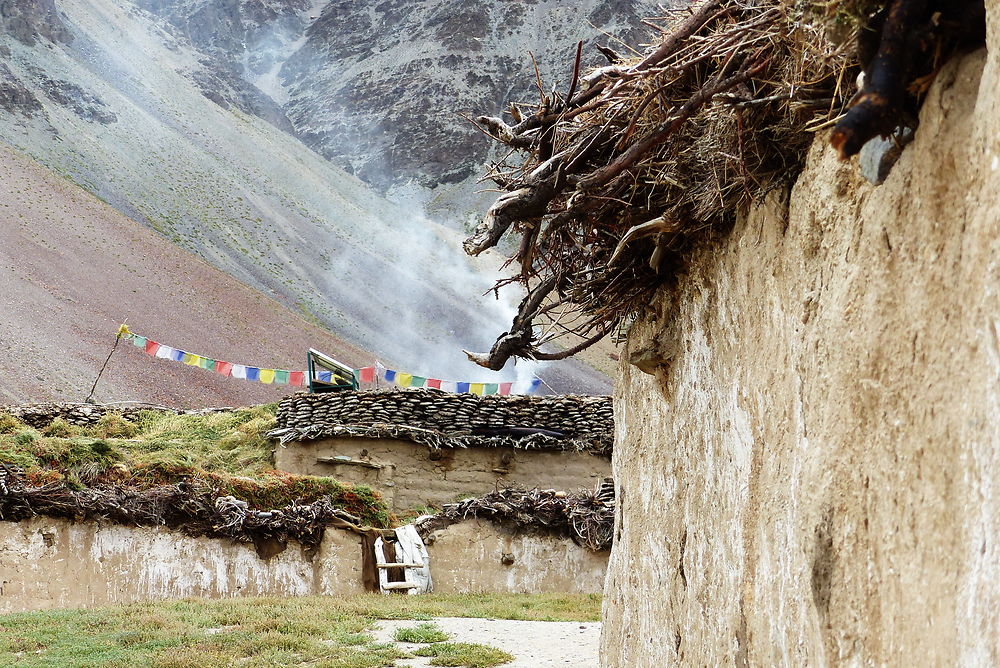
72 268
378 88
120 108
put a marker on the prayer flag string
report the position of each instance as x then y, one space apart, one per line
481 389
367 374
221 367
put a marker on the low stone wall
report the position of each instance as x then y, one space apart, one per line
81 414
409 475
46 563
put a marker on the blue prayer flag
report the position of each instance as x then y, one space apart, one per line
253 373
462 387
535 384
178 355
390 375
325 376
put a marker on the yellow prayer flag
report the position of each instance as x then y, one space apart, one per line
404 379
267 376
191 360
123 330
477 388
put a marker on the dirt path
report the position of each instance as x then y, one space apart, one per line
533 644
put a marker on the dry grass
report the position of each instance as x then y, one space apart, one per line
137 464
323 631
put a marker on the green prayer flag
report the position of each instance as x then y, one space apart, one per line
207 363
281 376
491 388
138 341
418 381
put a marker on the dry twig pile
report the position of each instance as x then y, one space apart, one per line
588 517
637 161
188 507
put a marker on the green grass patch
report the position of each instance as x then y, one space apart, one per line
232 442
421 633
471 655
59 428
228 451
529 607
10 424
324 631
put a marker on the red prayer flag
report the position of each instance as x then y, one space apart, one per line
225 368
505 388
433 382
296 378
367 374
151 347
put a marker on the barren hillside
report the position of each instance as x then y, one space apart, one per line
72 268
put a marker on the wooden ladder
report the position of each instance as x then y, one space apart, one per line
383 566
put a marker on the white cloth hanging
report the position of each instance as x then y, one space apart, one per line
410 549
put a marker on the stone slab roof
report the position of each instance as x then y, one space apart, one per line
444 420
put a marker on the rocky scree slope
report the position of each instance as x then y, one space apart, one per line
397 77
378 88
30 21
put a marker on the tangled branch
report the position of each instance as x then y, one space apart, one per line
587 517
612 184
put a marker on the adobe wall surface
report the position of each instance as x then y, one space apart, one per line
412 475
812 475
469 557
46 563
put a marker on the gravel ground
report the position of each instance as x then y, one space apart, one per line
533 644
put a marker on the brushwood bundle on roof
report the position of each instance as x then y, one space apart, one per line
611 181
587 517
193 508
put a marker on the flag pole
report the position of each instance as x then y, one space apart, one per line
123 331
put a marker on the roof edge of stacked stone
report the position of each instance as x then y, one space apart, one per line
440 420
